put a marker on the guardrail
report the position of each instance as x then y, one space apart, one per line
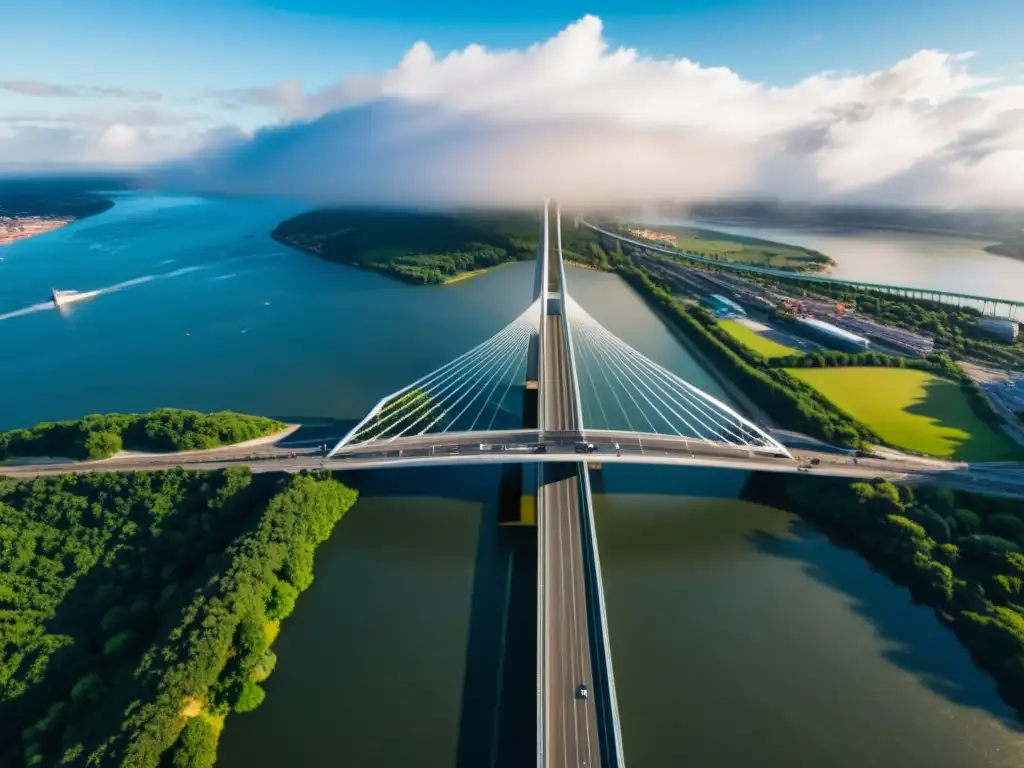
566 332
542 627
606 700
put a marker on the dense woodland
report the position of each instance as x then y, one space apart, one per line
137 609
425 248
165 429
960 553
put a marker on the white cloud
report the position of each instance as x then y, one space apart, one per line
576 118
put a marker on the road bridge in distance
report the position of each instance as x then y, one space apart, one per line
996 307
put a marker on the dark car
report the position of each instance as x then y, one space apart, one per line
581 691
585 447
542 448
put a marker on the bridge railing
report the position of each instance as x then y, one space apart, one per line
574 381
607 700
542 628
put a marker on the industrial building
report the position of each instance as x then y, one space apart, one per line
722 307
1003 330
832 335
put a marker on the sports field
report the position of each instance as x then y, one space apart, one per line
755 340
915 410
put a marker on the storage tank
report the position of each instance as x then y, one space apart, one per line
1004 330
831 334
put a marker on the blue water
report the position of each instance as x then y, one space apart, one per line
199 308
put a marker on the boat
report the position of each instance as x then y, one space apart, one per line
60 298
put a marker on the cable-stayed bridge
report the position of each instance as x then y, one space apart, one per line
556 388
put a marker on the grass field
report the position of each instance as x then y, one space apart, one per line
756 341
746 250
915 410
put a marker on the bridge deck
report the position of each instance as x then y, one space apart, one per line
571 733
571 728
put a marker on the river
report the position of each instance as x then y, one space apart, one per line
740 636
893 257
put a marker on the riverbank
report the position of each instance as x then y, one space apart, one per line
17 228
1011 249
959 553
188 576
463 276
163 430
736 249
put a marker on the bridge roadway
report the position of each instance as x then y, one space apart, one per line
570 736
519 446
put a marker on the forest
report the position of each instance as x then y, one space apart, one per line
100 436
430 249
137 609
960 553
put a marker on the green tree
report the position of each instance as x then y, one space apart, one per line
250 697
197 745
102 445
281 602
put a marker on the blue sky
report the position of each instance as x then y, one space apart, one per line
185 45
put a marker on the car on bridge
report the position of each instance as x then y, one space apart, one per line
581 691
585 447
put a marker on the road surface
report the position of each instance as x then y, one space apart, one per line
571 734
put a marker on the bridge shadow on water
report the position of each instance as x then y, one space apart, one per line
912 636
498 718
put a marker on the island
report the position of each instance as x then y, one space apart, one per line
432 249
30 207
140 608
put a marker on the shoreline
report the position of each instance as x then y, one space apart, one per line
15 229
1006 250
463 276
381 270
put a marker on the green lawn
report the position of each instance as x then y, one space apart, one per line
915 410
756 341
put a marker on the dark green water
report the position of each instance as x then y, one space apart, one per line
739 636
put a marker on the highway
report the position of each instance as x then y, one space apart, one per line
571 735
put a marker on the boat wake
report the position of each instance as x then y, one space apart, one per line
100 291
